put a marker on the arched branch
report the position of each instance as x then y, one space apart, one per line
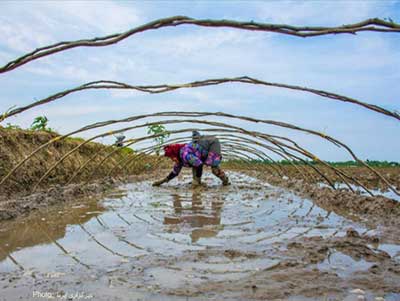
374 25
163 88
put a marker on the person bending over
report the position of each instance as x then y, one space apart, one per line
203 150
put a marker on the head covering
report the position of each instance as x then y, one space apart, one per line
195 135
172 150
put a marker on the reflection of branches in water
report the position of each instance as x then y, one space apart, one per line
119 216
297 208
155 218
237 224
172 240
123 219
129 242
102 223
119 236
266 212
142 219
102 245
279 233
309 229
311 209
62 248
337 231
314 226
12 259
272 236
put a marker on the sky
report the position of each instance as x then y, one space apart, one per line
365 66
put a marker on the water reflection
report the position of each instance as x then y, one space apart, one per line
44 227
201 215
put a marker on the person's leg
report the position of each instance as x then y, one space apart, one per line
218 172
194 169
214 161
197 173
191 158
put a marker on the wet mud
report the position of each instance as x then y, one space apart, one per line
380 211
246 241
19 206
364 176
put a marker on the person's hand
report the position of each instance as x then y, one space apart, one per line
158 183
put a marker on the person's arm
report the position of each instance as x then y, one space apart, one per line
175 171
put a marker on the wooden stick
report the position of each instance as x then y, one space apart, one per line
374 25
163 88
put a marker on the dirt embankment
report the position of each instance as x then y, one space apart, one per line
376 210
88 170
364 175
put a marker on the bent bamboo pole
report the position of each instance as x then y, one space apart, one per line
132 141
162 88
303 152
269 138
126 163
222 139
195 114
163 114
374 25
277 151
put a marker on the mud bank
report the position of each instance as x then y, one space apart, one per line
340 199
362 174
247 241
12 207
15 145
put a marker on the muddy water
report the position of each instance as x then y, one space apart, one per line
249 240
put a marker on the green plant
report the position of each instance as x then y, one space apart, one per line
126 151
162 135
40 124
10 126
77 139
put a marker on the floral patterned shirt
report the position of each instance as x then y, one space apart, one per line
190 155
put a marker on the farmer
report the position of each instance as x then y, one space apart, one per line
203 150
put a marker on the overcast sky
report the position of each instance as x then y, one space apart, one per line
364 66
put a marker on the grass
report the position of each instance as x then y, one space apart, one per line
126 151
77 139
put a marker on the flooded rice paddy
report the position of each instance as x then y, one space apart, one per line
246 241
